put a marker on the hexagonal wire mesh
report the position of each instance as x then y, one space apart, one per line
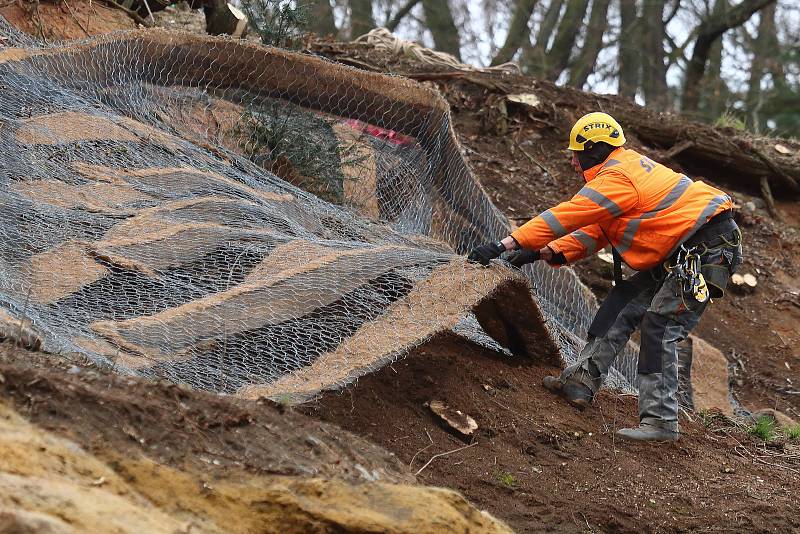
243 219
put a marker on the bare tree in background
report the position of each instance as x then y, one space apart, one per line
321 19
439 20
361 20
629 49
398 17
654 68
567 34
707 33
766 58
592 44
552 38
534 59
518 32
714 90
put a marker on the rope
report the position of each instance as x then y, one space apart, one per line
383 40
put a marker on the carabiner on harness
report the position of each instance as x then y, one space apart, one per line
687 270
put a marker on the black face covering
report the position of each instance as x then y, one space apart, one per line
594 154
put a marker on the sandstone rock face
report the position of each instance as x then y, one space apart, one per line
50 484
709 377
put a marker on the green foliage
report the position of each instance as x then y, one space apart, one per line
506 479
301 147
792 432
279 23
764 428
730 120
285 400
297 145
707 418
780 113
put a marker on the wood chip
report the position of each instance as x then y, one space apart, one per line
745 283
526 99
455 419
782 149
746 279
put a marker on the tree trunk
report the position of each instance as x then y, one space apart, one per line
361 20
766 57
401 13
707 32
760 50
439 20
535 60
714 87
219 19
517 31
321 17
592 44
774 64
629 49
654 70
566 36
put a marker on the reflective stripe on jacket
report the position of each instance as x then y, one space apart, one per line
644 208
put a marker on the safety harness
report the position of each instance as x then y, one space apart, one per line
703 281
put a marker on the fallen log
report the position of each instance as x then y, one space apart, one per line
739 155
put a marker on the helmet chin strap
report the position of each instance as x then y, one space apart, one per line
594 154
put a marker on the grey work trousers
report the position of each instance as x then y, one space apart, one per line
666 315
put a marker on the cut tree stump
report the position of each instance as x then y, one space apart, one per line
745 283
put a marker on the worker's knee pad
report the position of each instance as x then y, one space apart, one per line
654 327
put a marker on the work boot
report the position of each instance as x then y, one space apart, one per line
573 391
645 432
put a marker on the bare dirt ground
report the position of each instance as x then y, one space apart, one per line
65 20
107 453
543 466
534 462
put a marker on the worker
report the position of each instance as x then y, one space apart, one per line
678 233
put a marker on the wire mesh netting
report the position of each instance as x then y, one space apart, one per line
249 220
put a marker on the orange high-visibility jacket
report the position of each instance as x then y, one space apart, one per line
643 208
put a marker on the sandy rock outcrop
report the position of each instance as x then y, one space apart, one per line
709 377
50 484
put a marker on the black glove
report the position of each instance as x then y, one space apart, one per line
518 258
485 253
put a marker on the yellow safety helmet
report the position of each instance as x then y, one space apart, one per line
596 127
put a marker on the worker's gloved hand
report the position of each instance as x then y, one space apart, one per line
518 258
486 253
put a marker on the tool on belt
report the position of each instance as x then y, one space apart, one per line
687 269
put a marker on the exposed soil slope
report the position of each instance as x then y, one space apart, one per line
65 20
767 365
543 466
